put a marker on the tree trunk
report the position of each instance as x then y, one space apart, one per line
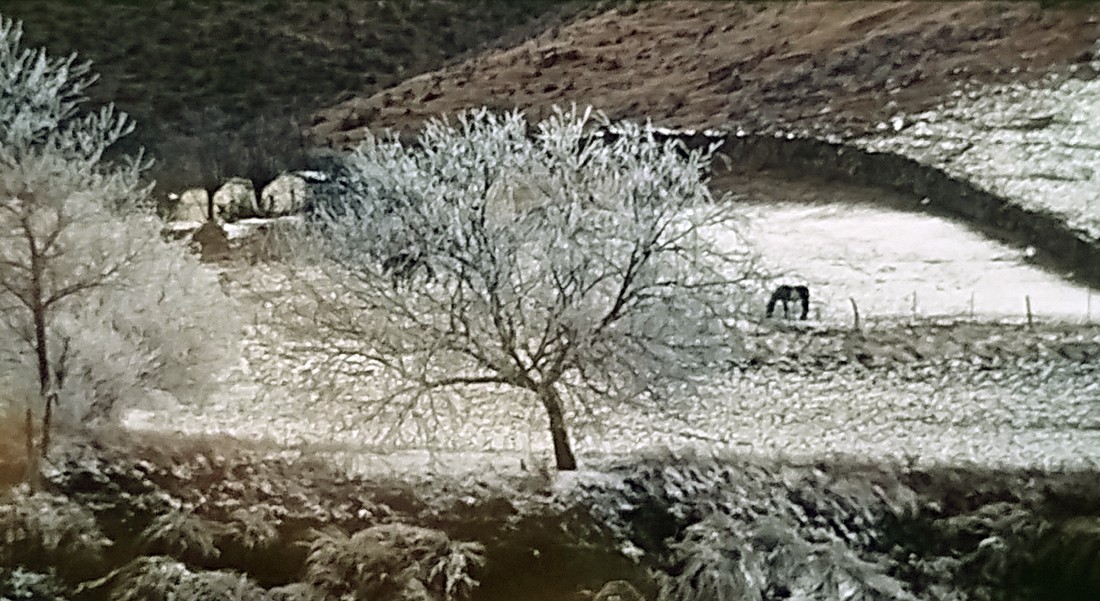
41 348
47 421
563 451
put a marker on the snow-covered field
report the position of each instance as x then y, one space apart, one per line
1043 413
884 258
1045 417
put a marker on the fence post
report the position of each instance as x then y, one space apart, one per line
914 307
971 305
855 313
1027 302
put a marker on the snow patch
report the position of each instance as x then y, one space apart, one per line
1037 144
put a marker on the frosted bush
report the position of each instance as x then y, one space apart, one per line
255 527
743 531
165 579
393 562
725 558
23 585
52 525
182 534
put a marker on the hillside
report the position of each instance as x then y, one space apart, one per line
210 81
838 67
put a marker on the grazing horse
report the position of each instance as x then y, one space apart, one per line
788 294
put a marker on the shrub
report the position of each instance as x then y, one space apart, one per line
183 535
165 579
393 561
48 530
20 584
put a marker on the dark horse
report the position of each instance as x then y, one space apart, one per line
788 294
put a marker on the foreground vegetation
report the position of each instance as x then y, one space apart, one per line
180 519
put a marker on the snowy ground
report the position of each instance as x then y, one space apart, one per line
1037 144
1046 417
904 264
1037 414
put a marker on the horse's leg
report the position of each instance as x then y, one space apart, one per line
804 294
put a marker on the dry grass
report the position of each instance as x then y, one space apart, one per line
13 454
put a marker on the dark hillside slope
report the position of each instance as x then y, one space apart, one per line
207 77
824 67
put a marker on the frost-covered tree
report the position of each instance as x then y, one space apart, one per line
580 269
96 310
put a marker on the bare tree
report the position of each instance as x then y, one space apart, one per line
584 270
90 295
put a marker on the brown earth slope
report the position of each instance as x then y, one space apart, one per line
828 66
